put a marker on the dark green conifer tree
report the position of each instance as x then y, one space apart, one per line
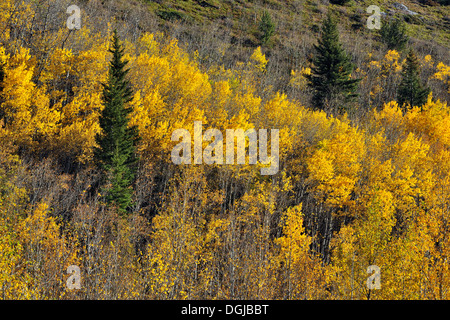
411 91
2 78
115 155
330 76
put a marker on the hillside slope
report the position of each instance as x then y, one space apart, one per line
225 32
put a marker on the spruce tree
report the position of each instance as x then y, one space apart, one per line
115 155
411 91
393 34
330 74
266 27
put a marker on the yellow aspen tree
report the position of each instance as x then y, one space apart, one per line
173 257
79 116
335 165
443 74
302 276
26 109
46 254
15 283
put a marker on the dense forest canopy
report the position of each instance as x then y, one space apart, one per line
87 116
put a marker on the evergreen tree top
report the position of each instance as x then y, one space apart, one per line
117 72
331 71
